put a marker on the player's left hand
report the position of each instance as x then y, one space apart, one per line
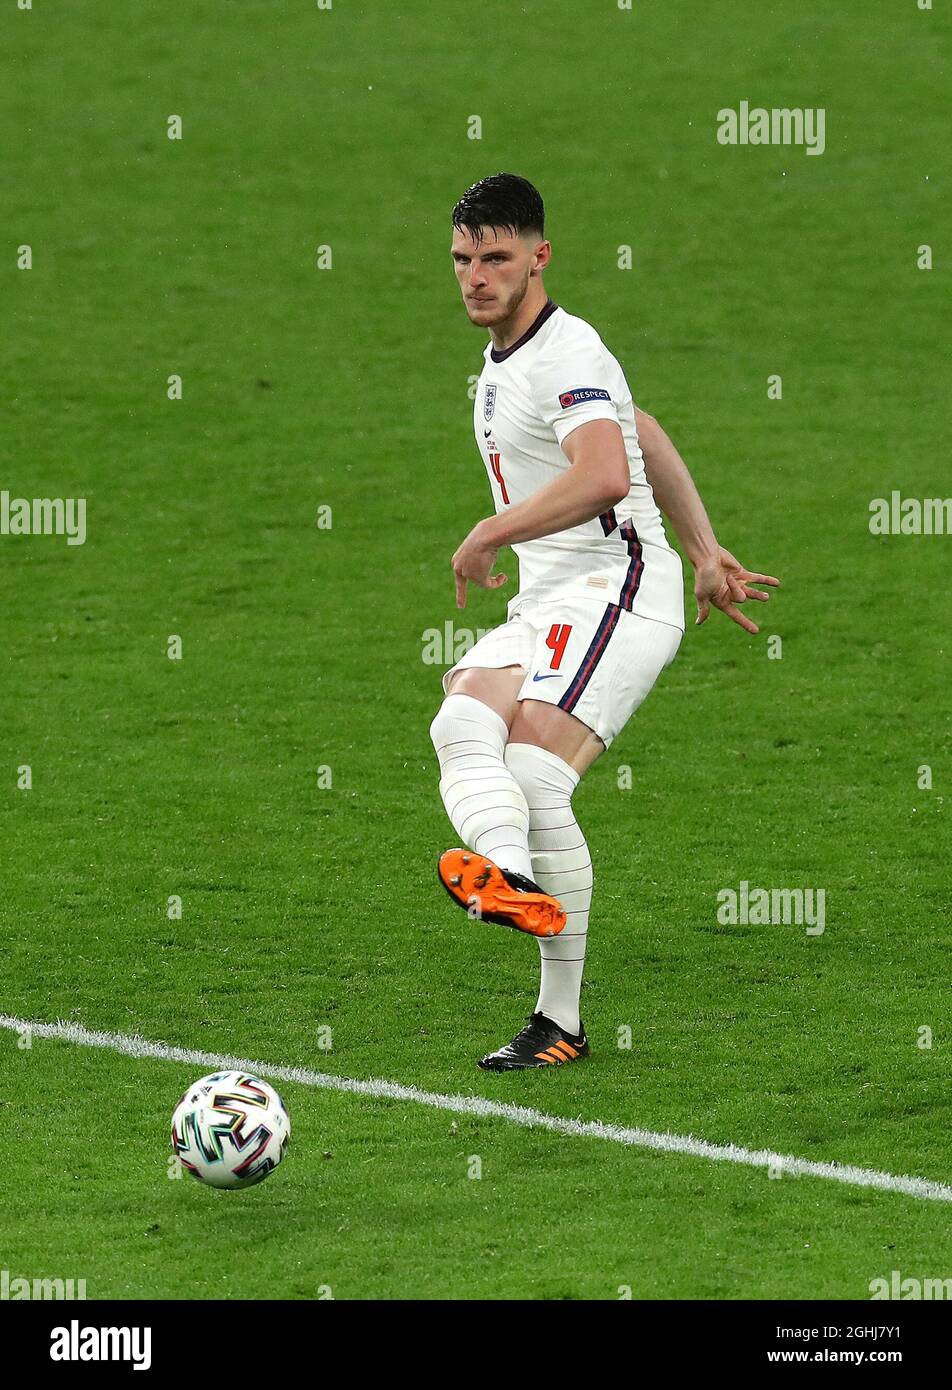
724 582
472 564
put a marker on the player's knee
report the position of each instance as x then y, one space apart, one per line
438 729
543 776
461 718
445 726
445 722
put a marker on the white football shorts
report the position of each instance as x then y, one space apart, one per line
593 659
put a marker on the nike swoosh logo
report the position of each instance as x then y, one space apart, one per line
486 433
551 676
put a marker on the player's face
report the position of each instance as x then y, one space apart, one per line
494 273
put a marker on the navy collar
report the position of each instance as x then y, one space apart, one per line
546 312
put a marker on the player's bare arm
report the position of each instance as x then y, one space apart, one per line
719 578
598 479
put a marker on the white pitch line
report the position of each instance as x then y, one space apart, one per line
134 1046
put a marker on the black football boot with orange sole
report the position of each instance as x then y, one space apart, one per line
492 894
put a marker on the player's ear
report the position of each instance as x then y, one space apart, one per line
543 254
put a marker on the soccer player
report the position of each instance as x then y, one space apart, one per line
577 474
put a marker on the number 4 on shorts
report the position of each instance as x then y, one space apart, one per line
556 640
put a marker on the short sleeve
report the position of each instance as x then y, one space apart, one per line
573 387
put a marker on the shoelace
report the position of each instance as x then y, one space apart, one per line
533 1031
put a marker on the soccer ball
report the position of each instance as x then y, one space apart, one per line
230 1129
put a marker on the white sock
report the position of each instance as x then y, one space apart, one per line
562 866
482 798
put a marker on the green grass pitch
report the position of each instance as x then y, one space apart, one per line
306 906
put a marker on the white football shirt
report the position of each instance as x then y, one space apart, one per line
529 399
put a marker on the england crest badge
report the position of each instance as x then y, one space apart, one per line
489 405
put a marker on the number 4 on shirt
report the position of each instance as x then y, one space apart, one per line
556 640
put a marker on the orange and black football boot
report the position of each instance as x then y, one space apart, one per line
492 894
542 1043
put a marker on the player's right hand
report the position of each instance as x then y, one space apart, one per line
472 564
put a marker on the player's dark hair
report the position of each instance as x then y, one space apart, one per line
500 200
